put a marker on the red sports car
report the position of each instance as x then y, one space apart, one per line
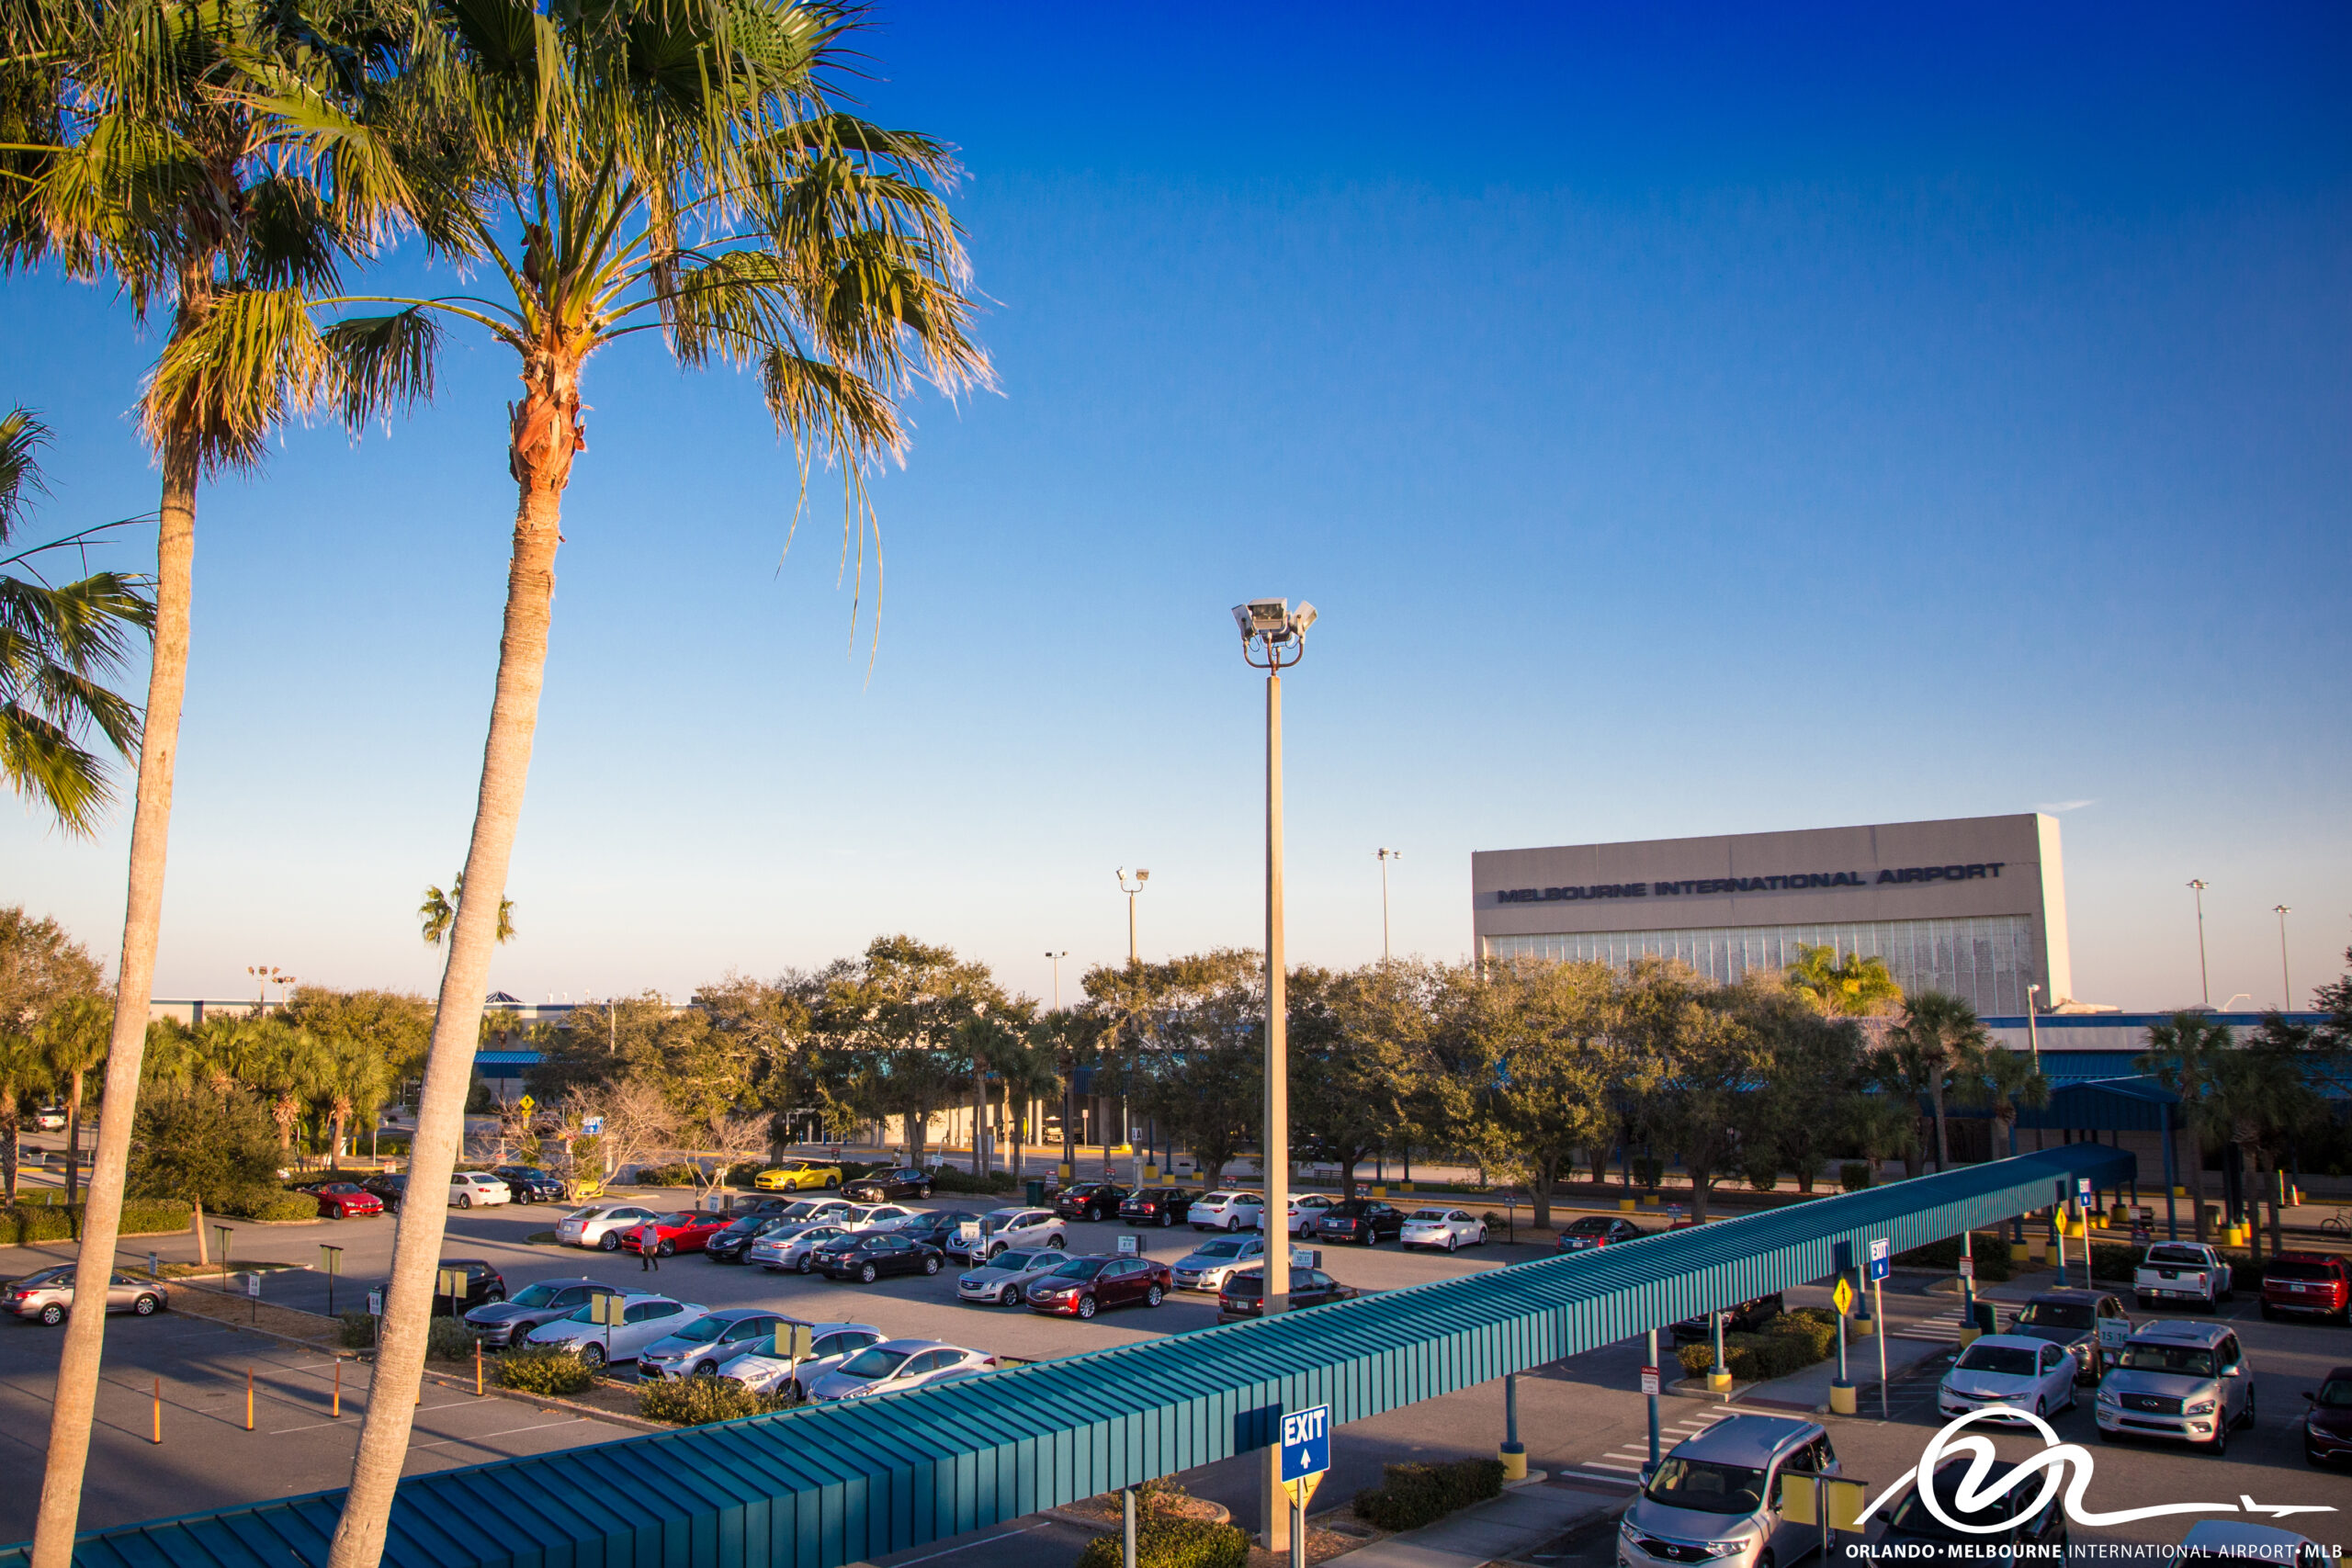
682 1232
344 1201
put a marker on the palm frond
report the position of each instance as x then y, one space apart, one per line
22 435
380 363
248 358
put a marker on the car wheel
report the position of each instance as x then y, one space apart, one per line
489 1296
1482 1235
1451 1241
145 1306
2041 1405
1086 1307
1166 1219
1009 1296
1057 1242
867 1275
610 1241
807 1262
668 1249
52 1314
930 1265
465 1199
706 1370
592 1356
1232 1221
2249 1409
2145 1304
2312 1455
795 1394
1153 1297
832 1182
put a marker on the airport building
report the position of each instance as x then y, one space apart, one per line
1975 906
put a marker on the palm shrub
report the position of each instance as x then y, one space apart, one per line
1410 1495
691 1401
544 1369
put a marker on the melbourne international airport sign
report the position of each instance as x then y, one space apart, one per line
1797 882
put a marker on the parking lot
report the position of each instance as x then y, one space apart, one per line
1574 1416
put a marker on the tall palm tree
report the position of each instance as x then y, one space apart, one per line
2002 1081
1847 986
24 1070
1937 1033
144 163
439 912
677 168
74 1036
2185 1055
60 644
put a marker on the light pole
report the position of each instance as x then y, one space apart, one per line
2286 982
1386 856
2204 984
1057 958
1274 636
2033 1026
1142 876
1069 1074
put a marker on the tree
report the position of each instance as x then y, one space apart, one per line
24 1070
353 1079
42 968
439 911
1190 1037
1711 1067
2264 1102
203 1143
60 646
894 1014
1850 986
1359 1055
1938 1032
73 1035
2002 1081
1815 1074
637 1120
394 1026
1523 1066
2184 1054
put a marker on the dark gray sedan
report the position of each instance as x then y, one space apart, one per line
511 1322
2070 1317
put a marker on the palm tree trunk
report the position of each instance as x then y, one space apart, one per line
77 1365
9 1124
544 433
74 1138
1936 1105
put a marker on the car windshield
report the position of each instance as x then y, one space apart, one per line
2006 1359
1590 1228
1081 1269
1220 1249
2295 1268
702 1331
875 1361
2176 1255
1248 1285
1011 1261
2335 1394
995 1223
2059 1315
541 1295
2188 1361
1912 1515
1706 1487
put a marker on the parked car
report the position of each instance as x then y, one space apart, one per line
475 1189
1157 1206
866 1256
2182 1272
646 1319
2180 1379
1004 1229
1090 1200
684 1231
1443 1229
1207 1266
50 1119
2070 1318
792 1246
1746 1317
1003 1278
498 1323
2013 1371
2327 1424
484 1284
601 1224
1306 1210
2024 1524
1243 1294
769 1367
1084 1286
1363 1220
346 1201
1229 1210
1719 1493
530 1183
733 1244
2307 1285
708 1343
907 1181
798 1175
802 1210
1595 1231
389 1188
935 1227
47 1295
896 1364
874 1216
2208 1540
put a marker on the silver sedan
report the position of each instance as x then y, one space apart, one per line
47 1295
1003 1278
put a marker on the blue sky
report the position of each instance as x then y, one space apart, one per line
1688 419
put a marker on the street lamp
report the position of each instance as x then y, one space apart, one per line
1386 856
1142 876
1069 1074
2033 1027
2204 984
2286 983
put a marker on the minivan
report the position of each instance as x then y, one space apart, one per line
1716 1497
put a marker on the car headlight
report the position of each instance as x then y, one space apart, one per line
2202 1407
1731 1548
1626 1530
2108 1396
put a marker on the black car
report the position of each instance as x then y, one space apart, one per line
1363 1220
1243 1294
510 1322
391 1188
530 1183
2029 1519
884 1186
730 1245
1157 1206
484 1284
1090 1200
1744 1318
866 1256
1595 1231
935 1229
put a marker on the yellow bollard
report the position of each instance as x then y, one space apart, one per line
338 1388
1842 1400
1514 1464
477 1369
249 1399
1625 1205
158 1439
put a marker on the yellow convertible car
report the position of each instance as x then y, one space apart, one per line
798 1175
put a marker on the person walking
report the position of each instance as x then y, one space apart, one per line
649 1250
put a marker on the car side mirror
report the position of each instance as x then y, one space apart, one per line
2310 1397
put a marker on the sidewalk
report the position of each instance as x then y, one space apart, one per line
1513 1525
1808 1390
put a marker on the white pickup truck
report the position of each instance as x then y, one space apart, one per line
2182 1272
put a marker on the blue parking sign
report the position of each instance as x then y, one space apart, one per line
1881 1258
1307 1443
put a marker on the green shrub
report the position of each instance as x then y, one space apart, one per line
1763 1172
359 1330
947 1178
38 1217
745 1173
1789 1343
1854 1175
1168 1541
678 1175
544 1369
1410 1495
259 1203
690 1402
1648 1171
449 1340
1990 1251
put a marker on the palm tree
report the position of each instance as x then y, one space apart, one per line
2184 1055
439 912
74 1036
1938 1032
1850 986
24 1070
147 164
58 645
612 171
2000 1080
353 1080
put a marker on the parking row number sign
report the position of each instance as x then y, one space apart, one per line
1306 1453
1881 1258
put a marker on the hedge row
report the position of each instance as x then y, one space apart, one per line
1169 1540
691 1401
42 1221
544 1369
1410 1495
1993 1255
1789 1343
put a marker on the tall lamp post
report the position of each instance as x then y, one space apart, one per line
1386 856
2032 1024
1069 1076
1142 876
2204 984
1273 638
2286 981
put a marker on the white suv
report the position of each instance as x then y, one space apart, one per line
2178 1379
468 1189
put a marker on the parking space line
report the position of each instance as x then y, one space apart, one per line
507 1432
